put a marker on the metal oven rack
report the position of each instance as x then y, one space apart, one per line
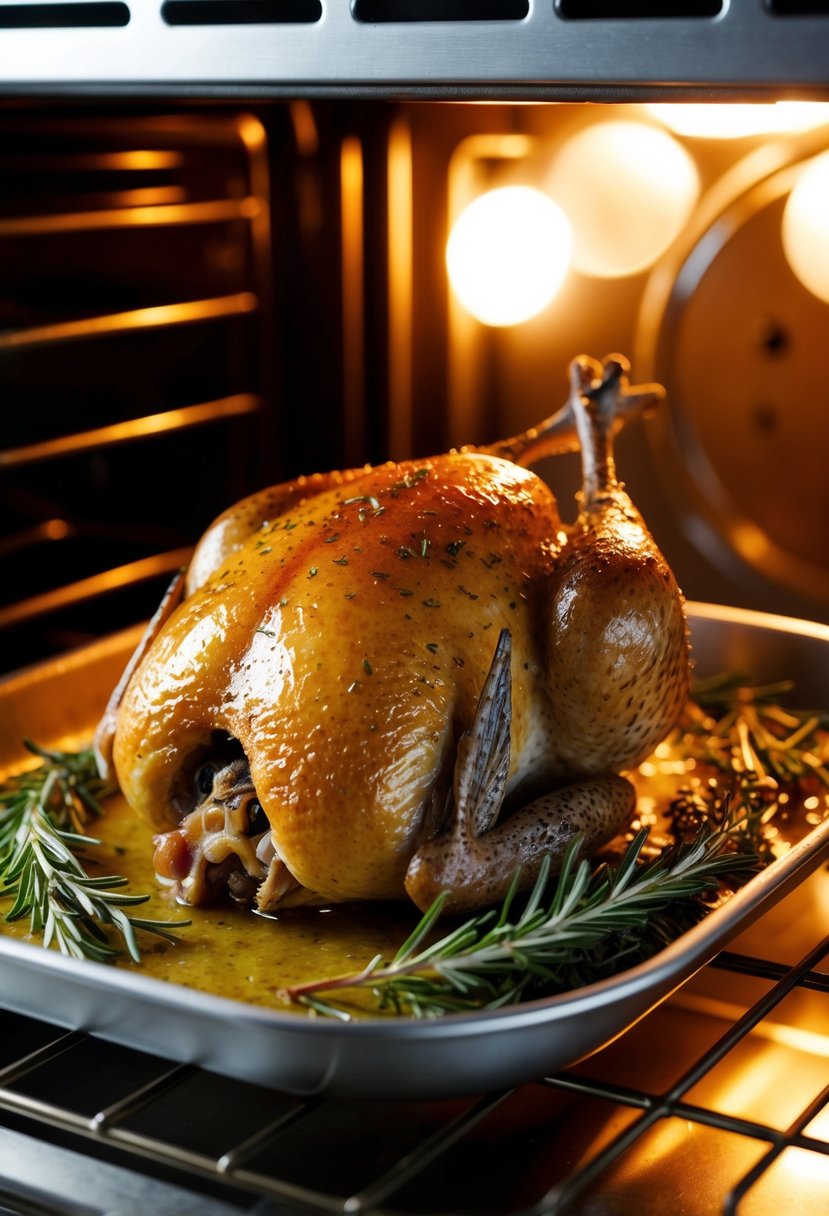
671 1114
134 337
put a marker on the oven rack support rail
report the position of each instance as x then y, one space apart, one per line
44 1093
559 49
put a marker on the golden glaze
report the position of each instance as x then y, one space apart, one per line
341 628
345 644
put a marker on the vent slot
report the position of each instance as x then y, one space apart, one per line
440 10
622 10
241 12
62 16
799 8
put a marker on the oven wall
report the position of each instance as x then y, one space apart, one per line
199 299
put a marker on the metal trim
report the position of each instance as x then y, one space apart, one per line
747 48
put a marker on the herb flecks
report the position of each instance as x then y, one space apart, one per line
595 919
760 752
372 502
43 816
409 481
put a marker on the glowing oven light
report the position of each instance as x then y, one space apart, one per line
507 254
628 189
729 120
806 227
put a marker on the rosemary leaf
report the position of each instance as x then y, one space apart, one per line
43 813
564 937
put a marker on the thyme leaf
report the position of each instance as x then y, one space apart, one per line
43 816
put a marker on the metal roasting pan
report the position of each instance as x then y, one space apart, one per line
459 1054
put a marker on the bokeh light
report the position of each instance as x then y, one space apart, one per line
806 227
628 189
507 254
729 120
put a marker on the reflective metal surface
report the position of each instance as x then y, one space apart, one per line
717 1097
391 1057
730 328
479 48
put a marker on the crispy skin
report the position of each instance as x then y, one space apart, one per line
342 628
345 644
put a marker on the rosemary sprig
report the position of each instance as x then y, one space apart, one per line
43 814
574 934
595 921
764 757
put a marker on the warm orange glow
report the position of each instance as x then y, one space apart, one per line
507 254
56 529
627 189
770 1076
806 227
726 120
125 432
401 275
140 159
137 217
750 541
819 1126
305 128
353 237
97 584
148 196
250 208
807 1179
139 318
252 133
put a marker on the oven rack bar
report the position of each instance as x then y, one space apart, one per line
672 1103
79 592
147 215
183 419
158 317
148 239
448 1143
477 48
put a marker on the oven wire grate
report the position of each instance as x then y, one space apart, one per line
171 1121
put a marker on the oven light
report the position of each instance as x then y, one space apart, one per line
724 120
806 227
628 189
507 254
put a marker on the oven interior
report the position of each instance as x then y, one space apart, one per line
216 276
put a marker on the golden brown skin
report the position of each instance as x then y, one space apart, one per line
341 628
